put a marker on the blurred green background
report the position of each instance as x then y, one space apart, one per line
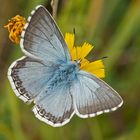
113 26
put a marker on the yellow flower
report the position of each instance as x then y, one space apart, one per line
80 52
15 27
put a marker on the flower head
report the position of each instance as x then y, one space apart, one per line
15 27
80 52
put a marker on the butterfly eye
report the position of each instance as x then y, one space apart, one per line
78 62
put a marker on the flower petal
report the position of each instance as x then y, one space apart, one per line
69 38
76 53
15 27
96 68
86 48
98 64
73 53
84 63
100 73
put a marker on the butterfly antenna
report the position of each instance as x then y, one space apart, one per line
75 47
104 57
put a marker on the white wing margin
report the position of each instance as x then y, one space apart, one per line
92 96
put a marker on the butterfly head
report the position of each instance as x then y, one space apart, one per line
78 63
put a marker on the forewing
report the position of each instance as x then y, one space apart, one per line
56 108
42 39
92 96
28 76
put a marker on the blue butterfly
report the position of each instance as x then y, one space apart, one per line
47 76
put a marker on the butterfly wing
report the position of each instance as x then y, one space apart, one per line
92 96
42 39
28 76
56 108
45 48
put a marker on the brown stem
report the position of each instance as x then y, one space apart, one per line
54 4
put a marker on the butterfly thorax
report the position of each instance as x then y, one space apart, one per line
64 75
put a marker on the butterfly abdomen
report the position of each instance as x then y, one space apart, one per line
64 75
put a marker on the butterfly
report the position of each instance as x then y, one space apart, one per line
48 77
